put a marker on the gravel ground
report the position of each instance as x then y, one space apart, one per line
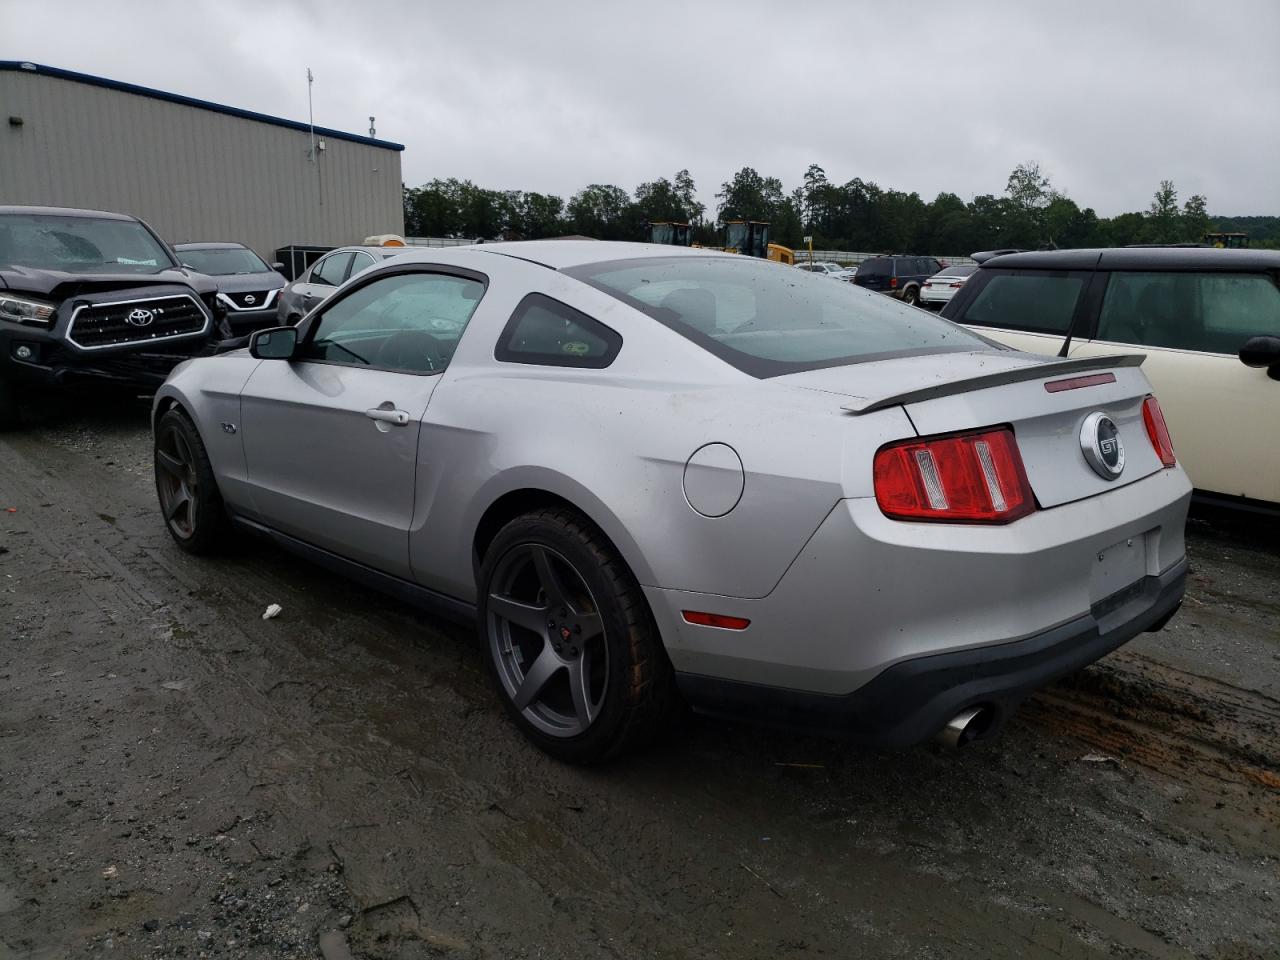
180 778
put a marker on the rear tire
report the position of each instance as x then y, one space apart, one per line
911 296
185 485
8 406
571 644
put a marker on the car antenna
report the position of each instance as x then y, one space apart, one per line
1071 327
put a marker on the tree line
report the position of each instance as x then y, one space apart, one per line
857 215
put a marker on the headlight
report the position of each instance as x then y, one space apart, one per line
22 310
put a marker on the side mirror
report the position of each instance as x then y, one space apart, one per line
1262 352
277 265
275 343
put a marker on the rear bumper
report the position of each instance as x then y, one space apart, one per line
912 700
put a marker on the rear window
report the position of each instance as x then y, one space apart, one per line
1040 303
875 268
767 320
959 271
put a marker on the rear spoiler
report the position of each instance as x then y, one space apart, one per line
1032 371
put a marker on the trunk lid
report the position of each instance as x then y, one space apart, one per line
948 393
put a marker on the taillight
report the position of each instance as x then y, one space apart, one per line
957 285
970 478
1158 431
893 283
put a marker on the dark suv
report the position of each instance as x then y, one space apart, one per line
86 295
897 276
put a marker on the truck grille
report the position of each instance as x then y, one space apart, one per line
101 325
250 299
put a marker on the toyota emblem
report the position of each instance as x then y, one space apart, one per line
1101 445
140 317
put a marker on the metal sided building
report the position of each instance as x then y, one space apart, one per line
192 169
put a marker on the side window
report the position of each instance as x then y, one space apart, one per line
332 270
1037 302
545 331
407 322
359 261
1209 312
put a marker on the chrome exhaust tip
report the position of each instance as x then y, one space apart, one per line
963 727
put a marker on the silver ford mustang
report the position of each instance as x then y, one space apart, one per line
658 476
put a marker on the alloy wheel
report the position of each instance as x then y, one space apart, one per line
176 481
547 638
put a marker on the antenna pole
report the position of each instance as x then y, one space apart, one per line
311 120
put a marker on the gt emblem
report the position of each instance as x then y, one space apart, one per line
140 317
1101 445
250 299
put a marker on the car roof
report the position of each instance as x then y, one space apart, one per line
64 212
559 254
371 248
209 245
1139 258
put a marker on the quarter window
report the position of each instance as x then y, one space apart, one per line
545 331
1040 303
408 322
1207 312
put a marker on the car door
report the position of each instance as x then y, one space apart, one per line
331 436
325 276
1191 326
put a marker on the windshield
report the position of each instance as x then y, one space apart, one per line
80 244
223 261
768 321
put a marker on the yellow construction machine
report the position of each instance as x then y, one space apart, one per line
751 238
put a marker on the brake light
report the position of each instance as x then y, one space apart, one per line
957 285
971 478
893 283
1158 431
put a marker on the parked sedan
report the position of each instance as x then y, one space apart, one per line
826 268
652 474
325 276
942 286
247 287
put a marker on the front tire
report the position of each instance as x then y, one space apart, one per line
571 643
188 492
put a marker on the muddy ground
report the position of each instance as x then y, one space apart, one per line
180 778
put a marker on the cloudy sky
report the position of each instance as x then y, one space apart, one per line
1108 97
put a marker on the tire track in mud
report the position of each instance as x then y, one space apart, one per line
1177 723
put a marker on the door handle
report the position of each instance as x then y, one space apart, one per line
397 417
